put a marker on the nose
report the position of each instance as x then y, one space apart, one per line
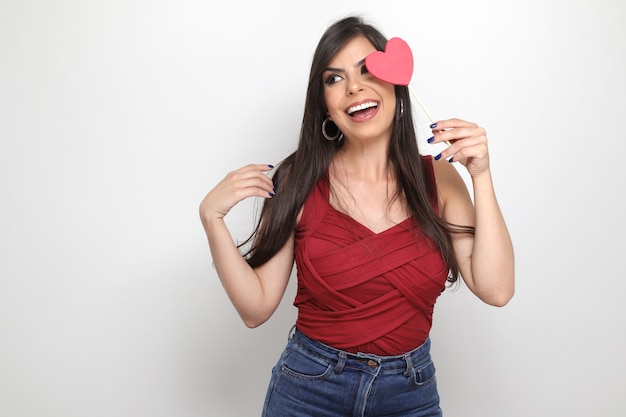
354 86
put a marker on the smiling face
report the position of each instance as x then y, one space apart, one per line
361 105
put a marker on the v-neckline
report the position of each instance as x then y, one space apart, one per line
366 228
326 195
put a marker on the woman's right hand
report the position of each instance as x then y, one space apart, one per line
248 181
255 292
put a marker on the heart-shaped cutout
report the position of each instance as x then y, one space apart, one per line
394 65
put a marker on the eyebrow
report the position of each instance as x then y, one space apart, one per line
358 64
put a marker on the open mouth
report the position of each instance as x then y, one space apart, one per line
361 108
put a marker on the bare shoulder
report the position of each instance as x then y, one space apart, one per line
447 178
451 189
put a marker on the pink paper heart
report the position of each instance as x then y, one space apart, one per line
394 65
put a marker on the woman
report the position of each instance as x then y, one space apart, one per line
376 232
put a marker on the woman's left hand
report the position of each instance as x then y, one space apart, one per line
468 144
485 259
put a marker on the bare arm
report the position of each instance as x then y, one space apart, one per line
255 293
486 259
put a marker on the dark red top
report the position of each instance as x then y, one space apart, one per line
361 291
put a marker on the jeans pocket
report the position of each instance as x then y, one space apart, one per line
302 365
424 373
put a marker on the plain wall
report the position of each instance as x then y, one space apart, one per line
117 117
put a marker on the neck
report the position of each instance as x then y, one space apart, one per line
363 161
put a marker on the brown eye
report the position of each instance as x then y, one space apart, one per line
364 70
332 79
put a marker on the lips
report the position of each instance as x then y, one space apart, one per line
363 110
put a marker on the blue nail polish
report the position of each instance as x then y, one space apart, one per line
451 160
271 166
272 194
434 125
431 140
438 157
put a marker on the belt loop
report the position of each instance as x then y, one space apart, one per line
341 363
292 331
409 365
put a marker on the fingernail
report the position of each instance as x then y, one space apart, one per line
272 194
451 159
271 166
434 125
438 157
431 140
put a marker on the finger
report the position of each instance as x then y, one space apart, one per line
236 176
255 168
462 149
470 154
463 133
451 123
262 167
251 171
261 187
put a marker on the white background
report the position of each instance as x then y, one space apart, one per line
116 118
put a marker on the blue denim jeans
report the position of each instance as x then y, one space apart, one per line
315 380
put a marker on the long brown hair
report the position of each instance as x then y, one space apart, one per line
297 174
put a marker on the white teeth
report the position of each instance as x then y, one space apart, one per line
362 106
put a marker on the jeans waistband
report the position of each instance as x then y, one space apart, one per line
405 360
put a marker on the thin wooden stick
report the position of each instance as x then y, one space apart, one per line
425 111
421 105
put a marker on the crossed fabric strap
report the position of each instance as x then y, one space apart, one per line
359 288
